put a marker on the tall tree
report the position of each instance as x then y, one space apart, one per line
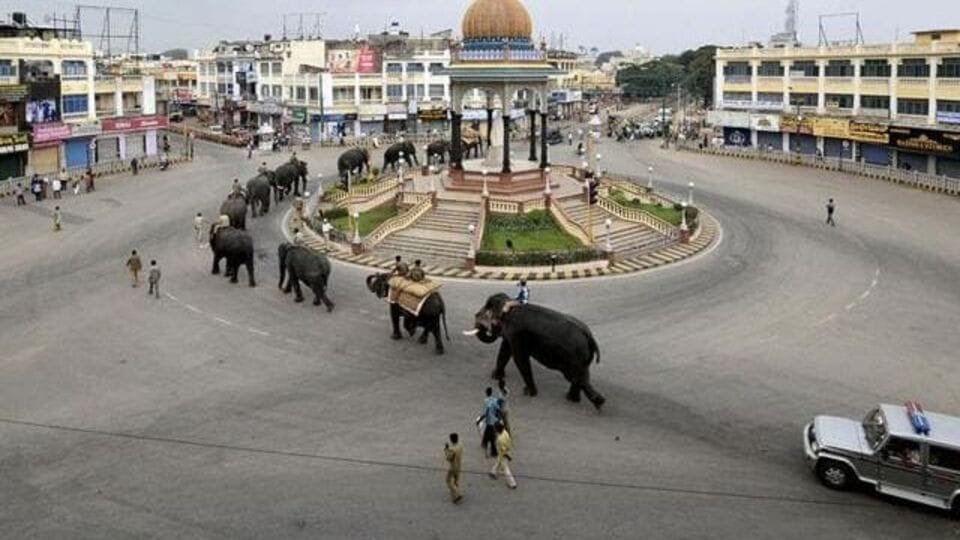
652 79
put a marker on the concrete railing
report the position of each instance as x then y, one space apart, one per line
569 226
397 223
931 182
635 215
535 204
502 206
477 240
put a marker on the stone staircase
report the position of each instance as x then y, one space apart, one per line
627 238
439 238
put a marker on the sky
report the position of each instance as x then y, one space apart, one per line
662 27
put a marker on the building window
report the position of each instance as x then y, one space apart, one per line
394 68
920 107
436 91
277 91
737 69
840 101
770 97
265 90
314 93
914 67
370 94
949 68
839 68
343 93
229 67
806 68
8 68
277 69
875 102
75 104
415 68
803 100
771 69
264 69
415 91
435 67
74 69
875 68
301 93
394 92
737 96
948 106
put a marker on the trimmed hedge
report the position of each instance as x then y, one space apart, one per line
536 258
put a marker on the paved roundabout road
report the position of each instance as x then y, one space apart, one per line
223 411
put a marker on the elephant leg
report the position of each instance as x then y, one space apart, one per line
232 270
395 321
522 359
410 325
436 337
594 396
321 294
503 357
249 265
425 335
298 293
216 264
573 394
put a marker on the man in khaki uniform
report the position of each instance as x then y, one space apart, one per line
453 452
504 456
416 273
134 265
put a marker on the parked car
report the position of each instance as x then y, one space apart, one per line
554 137
176 116
898 449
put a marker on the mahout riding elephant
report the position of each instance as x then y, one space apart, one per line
308 266
290 175
353 161
235 207
558 341
438 149
258 194
391 158
236 247
432 313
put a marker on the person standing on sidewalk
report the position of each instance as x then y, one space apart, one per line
154 280
501 466
831 208
135 166
18 191
134 265
57 219
453 452
57 188
198 227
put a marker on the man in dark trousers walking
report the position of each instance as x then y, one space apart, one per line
831 208
154 280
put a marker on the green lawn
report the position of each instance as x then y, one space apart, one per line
535 231
666 213
369 220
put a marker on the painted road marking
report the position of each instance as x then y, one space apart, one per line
258 332
223 321
192 308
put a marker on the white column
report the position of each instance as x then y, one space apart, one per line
754 81
91 91
718 86
821 87
857 69
932 112
118 95
787 65
786 142
931 165
754 138
894 66
356 91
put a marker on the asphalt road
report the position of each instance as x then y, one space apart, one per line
222 411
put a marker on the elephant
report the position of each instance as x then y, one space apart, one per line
432 313
353 162
440 149
306 266
471 147
288 175
558 341
258 195
236 247
391 158
235 207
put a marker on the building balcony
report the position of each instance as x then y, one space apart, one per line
107 113
737 79
948 89
874 113
913 119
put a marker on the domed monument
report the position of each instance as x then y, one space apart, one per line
497 56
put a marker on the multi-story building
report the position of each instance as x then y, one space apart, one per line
55 112
896 104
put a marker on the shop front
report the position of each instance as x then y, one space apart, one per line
126 138
13 154
395 120
924 150
45 150
432 118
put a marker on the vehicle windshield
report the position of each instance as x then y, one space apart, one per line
875 427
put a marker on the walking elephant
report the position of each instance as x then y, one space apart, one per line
559 342
236 247
307 266
432 313
258 195
391 158
438 150
353 162
235 207
288 177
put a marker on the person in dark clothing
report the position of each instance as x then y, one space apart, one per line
491 417
135 166
831 208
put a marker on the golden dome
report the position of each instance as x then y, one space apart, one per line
497 19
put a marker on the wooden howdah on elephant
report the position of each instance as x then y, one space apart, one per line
417 304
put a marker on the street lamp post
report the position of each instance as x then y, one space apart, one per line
684 228
547 190
486 192
650 178
608 245
472 250
433 184
690 187
356 228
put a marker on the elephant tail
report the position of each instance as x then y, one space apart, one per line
443 318
594 348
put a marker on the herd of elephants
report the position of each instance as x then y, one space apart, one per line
557 341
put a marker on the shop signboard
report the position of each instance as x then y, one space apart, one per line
368 60
432 115
834 128
790 124
945 117
47 133
13 142
868 132
925 141
298 115
765 122
13 92
119 125
85 130
364 60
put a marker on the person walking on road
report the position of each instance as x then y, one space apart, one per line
135 166
36 187
491 417
453 452
154 279
250 150
501 466
198 227
18 191
134 265
831 209
57 219
57 188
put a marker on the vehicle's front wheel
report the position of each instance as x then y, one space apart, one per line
834 475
